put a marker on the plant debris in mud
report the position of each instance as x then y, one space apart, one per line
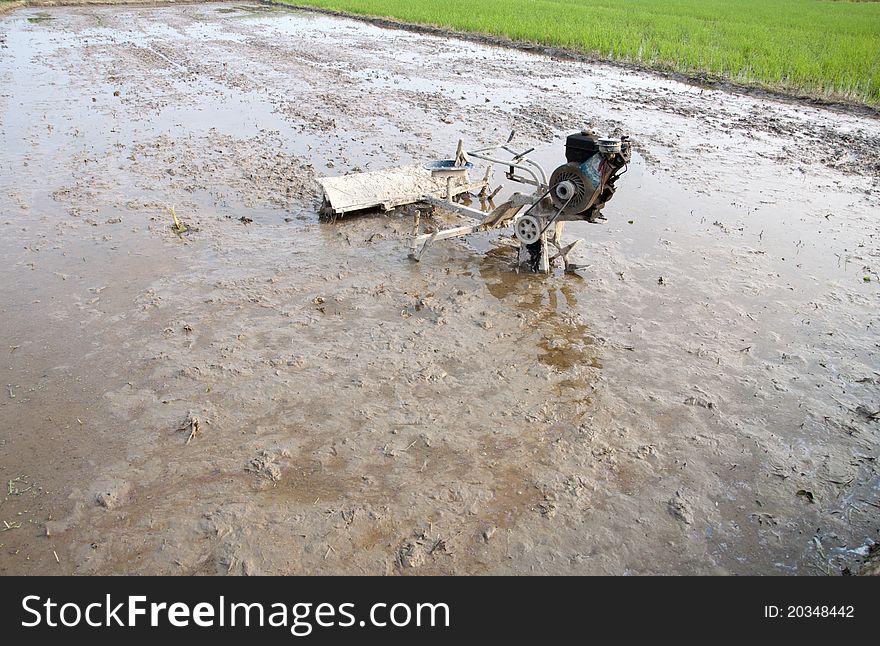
40 18
191 427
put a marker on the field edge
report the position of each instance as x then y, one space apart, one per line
708 81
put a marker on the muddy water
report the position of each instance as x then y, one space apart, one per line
699 399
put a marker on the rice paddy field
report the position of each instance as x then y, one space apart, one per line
202 377
818 48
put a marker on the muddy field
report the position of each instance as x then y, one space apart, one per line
702 398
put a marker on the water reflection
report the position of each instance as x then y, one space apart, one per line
564 341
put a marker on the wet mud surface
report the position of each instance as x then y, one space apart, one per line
702 398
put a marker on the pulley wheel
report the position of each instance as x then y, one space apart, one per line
527 229
569 184
565 190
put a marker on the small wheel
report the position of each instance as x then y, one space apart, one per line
565 190
527 229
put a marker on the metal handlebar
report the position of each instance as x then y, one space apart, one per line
518 160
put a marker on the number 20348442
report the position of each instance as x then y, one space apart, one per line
809 612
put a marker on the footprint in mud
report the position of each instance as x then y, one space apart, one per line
265 465
112 494
330 305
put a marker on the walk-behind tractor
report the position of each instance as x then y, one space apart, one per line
576 190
